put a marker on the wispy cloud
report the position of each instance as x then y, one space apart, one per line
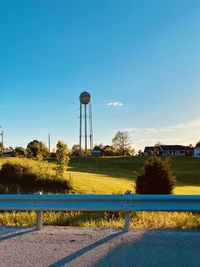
151 130
187 124
170 128
115 104
163 140
129 130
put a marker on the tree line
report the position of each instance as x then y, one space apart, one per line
120 146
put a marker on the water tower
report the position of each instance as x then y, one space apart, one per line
85 121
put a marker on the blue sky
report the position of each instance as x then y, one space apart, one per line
140 60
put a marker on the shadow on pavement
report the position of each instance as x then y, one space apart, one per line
12 232
84 250
159 247
156 248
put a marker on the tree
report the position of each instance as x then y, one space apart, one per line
99 147
156 177
19 152
36 149
121 143
198 144
75 151
1 148
108 151
62 158
140 153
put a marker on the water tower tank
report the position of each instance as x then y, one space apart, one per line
85 98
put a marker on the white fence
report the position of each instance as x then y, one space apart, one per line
125 203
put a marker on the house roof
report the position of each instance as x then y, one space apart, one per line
167 148
175 147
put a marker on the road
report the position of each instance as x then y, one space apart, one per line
98 247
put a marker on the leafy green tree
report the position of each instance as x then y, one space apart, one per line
156 177
37 149
62 158
121 143
19 151
99 147
108 151
75 150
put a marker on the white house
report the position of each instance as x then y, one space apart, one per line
169 150
197 151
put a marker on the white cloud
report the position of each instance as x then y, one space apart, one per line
115 104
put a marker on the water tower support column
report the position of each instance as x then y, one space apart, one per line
85 99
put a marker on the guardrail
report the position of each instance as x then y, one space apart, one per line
125 203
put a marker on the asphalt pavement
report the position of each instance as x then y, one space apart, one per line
98 247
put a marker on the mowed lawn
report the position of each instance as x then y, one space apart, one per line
116 175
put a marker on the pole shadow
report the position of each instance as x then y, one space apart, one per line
12 232
84 250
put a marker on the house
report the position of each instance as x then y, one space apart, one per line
169 150
197 151
149 150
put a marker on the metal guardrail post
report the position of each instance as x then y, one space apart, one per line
127 221
39 220
127 216
39 215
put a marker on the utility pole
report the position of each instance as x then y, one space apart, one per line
49 142
2 144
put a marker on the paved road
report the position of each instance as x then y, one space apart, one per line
86 247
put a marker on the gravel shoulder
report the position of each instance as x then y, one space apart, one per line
98 247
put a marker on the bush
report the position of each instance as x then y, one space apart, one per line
19 178
156 177
62 158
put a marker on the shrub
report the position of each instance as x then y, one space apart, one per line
62 158
19 178
156 177
37 149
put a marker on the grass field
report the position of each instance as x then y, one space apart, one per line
113 175
117 174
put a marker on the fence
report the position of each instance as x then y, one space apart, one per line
125 203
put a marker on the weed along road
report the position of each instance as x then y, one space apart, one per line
98 247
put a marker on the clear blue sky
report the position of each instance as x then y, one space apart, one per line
140 60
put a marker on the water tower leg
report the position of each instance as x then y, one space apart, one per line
80 133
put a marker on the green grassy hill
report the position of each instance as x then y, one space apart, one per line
108 175
117 174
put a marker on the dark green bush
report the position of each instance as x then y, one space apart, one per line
17 178
156 177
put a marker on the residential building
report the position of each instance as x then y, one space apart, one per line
169 150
